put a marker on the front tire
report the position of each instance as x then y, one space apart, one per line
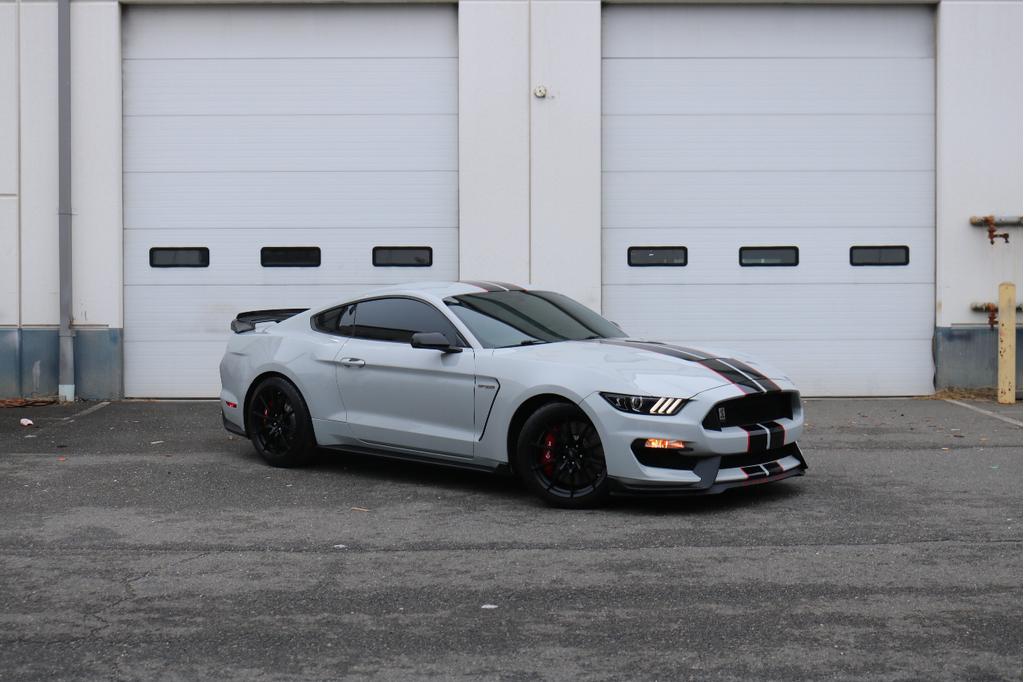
560 458
279 425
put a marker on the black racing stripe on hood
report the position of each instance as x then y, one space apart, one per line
654 347
743 367
486 286
768 384
728 373
697 354
720 367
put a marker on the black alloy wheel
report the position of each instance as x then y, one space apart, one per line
560 458
279 424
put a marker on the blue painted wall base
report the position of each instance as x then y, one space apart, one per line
965 357
29 363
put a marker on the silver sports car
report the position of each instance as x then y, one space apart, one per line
491 376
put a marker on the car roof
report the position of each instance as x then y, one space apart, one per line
441 289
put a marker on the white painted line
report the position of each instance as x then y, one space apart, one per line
90 410
986 412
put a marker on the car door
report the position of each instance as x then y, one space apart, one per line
416 399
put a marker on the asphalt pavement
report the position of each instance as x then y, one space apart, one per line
138 540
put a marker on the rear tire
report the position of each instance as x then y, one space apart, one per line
279 425
560 459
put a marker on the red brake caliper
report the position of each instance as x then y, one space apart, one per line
547 457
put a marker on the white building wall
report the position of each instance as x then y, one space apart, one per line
565 148
37 43
96 162
494 140
8 164
978 152
530 168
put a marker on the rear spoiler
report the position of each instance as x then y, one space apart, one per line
247 321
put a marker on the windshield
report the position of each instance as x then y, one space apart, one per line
501 319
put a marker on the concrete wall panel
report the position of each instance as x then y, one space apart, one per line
8 99
96 162
565 148
494 140
8 261
979 141
38 76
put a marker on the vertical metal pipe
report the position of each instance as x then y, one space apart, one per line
66 379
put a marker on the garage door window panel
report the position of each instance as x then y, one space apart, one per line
397 319
403 256
879 255
179 257
657 256
769 256
290 256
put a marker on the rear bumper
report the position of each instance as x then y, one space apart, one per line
716 478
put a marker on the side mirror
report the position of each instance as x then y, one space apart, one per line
433 341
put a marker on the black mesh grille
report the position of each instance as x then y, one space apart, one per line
750 409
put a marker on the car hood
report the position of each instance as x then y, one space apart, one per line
649 369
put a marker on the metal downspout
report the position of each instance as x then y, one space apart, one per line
66 380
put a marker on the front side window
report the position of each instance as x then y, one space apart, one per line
501 319
397 319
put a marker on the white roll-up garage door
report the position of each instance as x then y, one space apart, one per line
806 128
333 128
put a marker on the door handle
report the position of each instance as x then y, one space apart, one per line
351 362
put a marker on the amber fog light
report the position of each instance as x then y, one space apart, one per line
663 444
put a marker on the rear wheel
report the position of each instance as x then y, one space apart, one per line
279 424
560 458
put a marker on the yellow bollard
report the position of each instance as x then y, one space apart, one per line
1007 343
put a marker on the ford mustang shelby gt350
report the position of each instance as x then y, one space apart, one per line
496 377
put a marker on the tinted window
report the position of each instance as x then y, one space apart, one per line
769 256
336 321
403 256
879 255
648 256
397 319
501 319
179 257
290 256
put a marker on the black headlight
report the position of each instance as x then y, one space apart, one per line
644 404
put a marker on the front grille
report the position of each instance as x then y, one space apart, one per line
751 458
751 409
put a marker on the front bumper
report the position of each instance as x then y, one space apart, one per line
231 426
717 476
715 459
